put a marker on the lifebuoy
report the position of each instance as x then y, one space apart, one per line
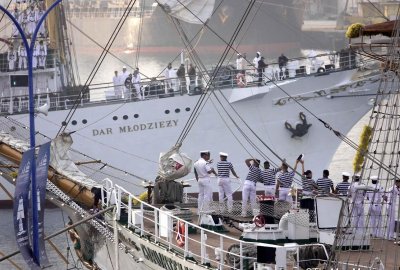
259 221
240 79
180 233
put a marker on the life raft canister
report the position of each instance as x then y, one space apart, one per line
180 233
240 79
259 221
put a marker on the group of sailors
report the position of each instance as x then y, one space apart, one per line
18 58
259 67
126 82
175 81
278 183
29 18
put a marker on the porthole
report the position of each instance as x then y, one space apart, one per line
115 118
63 123
187 109
136 115
166 111
84 121
74 122
177 110
125 117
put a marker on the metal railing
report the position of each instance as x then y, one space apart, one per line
158 226
227 78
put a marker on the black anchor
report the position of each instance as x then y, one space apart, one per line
301 128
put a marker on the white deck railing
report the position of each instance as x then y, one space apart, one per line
158 225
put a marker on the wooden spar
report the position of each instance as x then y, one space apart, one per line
72 189
52 26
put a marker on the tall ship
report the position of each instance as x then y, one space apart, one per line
130 123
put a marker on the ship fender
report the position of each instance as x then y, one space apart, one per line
283 222
180 233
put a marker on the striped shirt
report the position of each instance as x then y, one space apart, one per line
224 168
285 179
343 188
268 176
324 186
308 184
254 174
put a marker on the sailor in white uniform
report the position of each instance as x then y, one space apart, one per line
123 77
22 57
224 168
256 59
357 199
16 14
35 56
117 85
42 54
11 58
392 202
202 171
31 24
168 75
23 21
42 29
375 209
249 186
136 82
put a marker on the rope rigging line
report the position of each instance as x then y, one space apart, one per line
102 47
190 122
139 37
97 65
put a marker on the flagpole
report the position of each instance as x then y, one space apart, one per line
29 49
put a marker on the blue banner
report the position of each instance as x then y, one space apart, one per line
42 166
21 204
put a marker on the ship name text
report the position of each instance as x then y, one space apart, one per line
136 127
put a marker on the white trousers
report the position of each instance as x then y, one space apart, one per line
23 63
42 61
11 65
269 190
137 88
31 27
391 212
224 188
358 216
204 193
375 212
284 194
249 190
34 62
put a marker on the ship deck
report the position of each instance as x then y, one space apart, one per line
229 243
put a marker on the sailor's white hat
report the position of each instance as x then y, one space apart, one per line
259 53
204 151
357 175
346 174
223 154
124 67
374 177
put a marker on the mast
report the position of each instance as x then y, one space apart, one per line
60 42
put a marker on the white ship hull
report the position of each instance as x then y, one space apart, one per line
134 144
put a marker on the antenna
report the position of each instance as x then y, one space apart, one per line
43 109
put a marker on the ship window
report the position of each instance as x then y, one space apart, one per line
74 122
125 117
115 118
177 110
84 121
188 109
63 123
136 115
166 111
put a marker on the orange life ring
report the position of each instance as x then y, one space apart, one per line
259 221
180 233
240 79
